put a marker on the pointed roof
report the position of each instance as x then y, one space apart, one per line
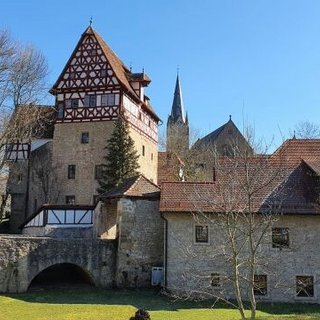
177 111
138 186
212 136
122 72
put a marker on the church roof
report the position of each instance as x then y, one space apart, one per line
213 136
177 110
138 186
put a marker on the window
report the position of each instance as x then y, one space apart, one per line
90 101
85 137
71 200
74 103
60 112
260 285
71 171
151 156
215 280
98 171
202 234
92 52
280 238
71 75
103 73
143 150
304 286
108 99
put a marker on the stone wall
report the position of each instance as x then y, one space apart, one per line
57 231
105 219
68 150
23 258
140 245
190 264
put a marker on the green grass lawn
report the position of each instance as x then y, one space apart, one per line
96 304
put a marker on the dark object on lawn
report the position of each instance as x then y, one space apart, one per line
141 315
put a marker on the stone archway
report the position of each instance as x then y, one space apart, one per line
62 275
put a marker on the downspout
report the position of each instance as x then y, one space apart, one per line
165 249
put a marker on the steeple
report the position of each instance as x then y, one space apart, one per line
177 110
177 125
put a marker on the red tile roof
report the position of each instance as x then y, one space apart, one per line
295 150
287 189
138 186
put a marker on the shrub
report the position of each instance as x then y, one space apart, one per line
141 315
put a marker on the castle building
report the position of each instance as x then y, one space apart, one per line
92 90
138 231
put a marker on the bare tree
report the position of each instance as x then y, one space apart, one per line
307 130
27 76
7 51
23 71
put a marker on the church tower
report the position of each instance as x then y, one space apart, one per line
177 125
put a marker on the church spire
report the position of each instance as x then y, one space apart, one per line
177 111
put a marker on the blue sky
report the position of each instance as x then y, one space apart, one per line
256 60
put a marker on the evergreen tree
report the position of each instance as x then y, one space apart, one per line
121 159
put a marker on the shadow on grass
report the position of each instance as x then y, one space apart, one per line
148 299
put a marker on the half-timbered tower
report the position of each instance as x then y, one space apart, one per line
91 91
177 125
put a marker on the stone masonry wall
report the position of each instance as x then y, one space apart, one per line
23 258
190 264
140 244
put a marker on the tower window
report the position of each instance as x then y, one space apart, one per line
151 156
143 150
71 171
71 200
108 99
103 73
74 103
85 137
90 101
98 171
60 112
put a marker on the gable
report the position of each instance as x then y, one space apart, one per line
88 67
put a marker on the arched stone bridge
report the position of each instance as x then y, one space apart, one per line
23 258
